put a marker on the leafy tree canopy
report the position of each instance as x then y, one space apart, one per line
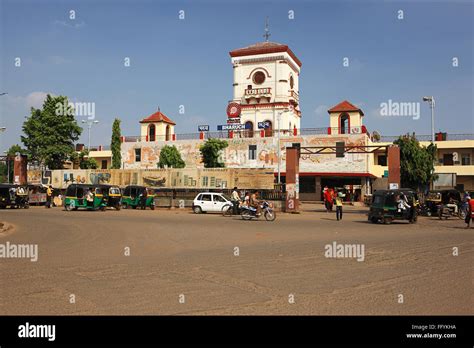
115 145
50 132
211 152
170 157
416 162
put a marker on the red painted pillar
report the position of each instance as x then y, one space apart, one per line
231 134
173 137
295 131
394 165
146 138
329 130
201 136
262 133
20 170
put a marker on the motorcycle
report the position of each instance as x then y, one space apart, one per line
267 211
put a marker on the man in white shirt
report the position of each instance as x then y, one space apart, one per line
235 201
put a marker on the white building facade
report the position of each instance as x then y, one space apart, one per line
265 88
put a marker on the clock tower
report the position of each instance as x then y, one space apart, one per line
266 89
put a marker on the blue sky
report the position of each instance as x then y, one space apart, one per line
186 62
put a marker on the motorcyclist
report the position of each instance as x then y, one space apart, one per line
255 203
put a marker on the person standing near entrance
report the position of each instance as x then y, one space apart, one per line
143 199
338 200
235 201
49 196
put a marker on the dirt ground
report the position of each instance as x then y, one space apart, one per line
176 262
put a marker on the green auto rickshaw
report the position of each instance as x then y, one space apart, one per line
14 196
390 205
112 194
84 196
134 195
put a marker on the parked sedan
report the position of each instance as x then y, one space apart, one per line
210 202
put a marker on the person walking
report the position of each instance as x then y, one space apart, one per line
470 211
328 199
338 199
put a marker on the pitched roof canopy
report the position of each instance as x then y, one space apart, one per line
157 117
263 48
345 106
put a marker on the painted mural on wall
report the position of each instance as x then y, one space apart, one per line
239 153
167 178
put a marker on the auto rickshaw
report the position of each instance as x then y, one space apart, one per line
132 196
14 196
112 194
438 199
387 206
76 197
450 204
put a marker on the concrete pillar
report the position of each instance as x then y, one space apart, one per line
292 180
318 188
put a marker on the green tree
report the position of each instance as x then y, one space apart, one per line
170 157
211 153
416 162
50 132
82 159
115 145
14 149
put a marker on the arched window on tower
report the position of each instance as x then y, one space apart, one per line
344 124
269 130
167 136
248 133
151 132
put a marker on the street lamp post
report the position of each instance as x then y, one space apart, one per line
279 150
89 126
431 101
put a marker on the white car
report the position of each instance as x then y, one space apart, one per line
210 202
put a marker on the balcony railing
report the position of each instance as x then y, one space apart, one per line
262 133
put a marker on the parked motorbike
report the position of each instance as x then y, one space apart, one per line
446 212
267 211
424 210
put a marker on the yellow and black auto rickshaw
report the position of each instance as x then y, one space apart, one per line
14 196
84 196
112 194
390 205
138 196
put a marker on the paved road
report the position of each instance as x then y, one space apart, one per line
177 252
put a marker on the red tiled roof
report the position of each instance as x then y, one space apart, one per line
345 106
157 117
263 48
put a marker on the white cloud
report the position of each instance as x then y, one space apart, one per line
321 110
58 60
71 24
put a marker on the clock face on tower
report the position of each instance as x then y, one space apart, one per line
258 78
